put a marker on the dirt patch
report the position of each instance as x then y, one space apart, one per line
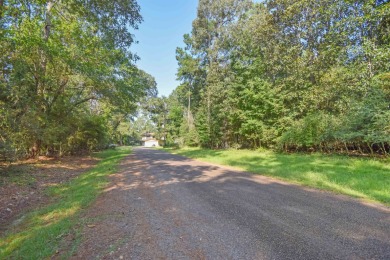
23 185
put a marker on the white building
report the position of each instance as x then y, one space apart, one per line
151 143
149 140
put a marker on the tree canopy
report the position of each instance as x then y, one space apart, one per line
67 75
294 75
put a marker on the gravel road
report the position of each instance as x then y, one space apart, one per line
164 206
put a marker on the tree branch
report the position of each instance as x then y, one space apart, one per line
84 100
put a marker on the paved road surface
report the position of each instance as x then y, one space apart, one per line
163 206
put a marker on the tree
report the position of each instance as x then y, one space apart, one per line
293 74
64 60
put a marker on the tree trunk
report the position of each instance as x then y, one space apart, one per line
1 8
46 36
370 147
189 107
209 113
346 147
49 6
384 148
360 148
35 150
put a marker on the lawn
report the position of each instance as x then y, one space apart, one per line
366 178
43 233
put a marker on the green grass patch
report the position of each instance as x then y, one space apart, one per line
366 178
41 233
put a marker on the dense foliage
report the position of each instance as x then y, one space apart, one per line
285 74
67 77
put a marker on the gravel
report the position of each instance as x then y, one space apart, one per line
164 206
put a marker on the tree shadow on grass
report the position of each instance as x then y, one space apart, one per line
358 177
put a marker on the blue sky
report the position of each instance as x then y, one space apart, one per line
165 23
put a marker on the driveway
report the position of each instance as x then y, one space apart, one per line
164 206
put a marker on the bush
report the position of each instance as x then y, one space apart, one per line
90 135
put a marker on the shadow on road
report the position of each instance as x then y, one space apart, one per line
243 215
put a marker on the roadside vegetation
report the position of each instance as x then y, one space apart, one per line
54 228
364 178
68 79
288 75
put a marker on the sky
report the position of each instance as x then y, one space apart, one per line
165 23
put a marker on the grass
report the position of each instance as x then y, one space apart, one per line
41 233
364 178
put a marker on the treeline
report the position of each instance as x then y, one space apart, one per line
294 75
67 77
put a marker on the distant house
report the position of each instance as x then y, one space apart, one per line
149 140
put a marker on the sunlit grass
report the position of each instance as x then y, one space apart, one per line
40 234
365 178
